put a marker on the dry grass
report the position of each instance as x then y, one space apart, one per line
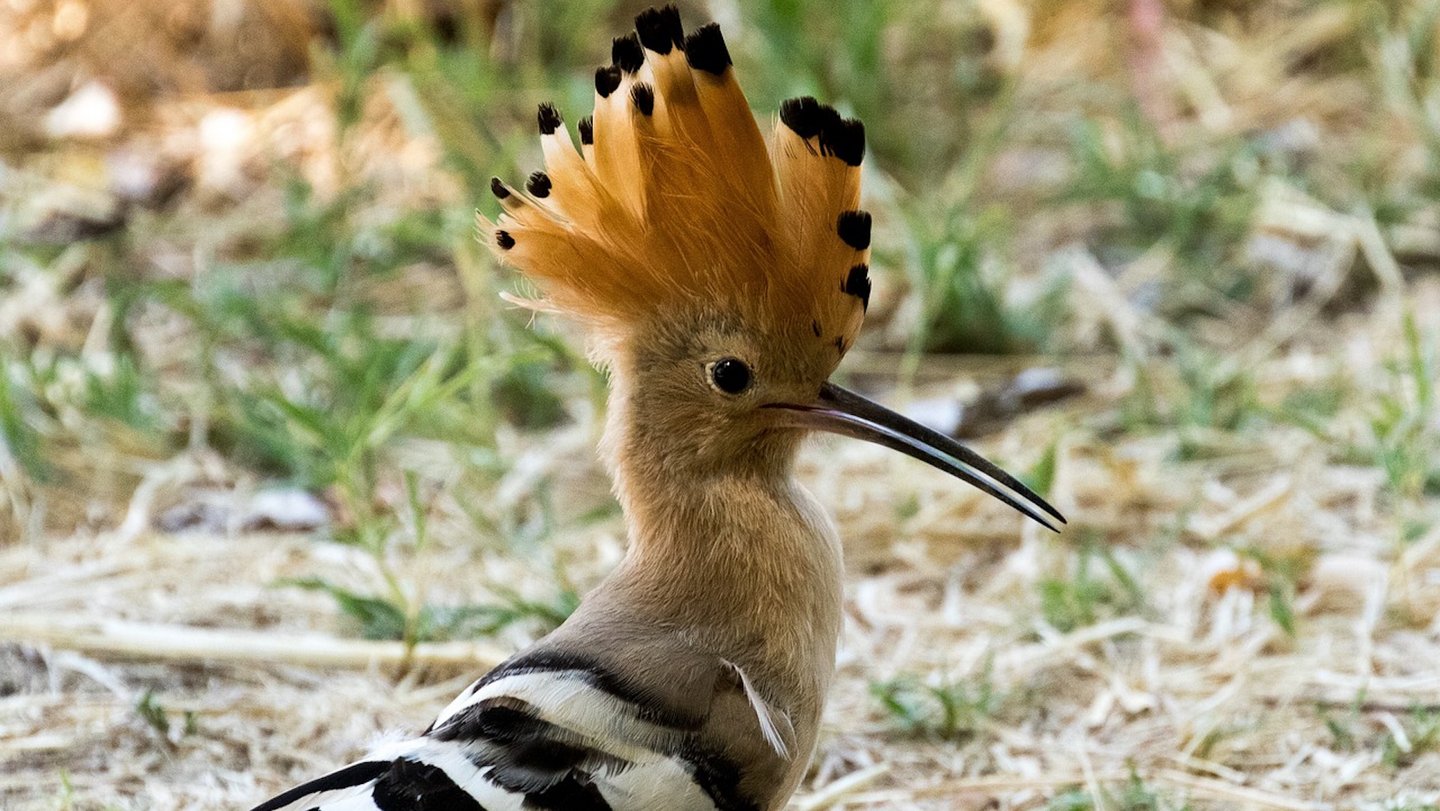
1199 692
1242 614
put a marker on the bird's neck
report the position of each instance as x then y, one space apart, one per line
742 559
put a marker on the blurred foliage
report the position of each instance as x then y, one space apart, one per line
381 618
1407 58
347 340
1405 418
1083 595
1195 203
1132 795
340 330
955 710
961 274
1419 735
918 95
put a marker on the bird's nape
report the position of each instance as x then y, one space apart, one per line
844 412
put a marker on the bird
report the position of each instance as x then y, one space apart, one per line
719 276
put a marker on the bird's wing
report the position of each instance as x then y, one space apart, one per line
559 727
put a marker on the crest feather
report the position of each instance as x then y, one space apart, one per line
675 199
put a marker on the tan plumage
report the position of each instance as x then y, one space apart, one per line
723 280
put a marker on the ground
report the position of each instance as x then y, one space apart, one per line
280 473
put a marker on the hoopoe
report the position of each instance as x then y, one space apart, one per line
721 280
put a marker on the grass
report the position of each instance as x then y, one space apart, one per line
954 257
379 617
1409 75
1407 738
1196 394
337 396
157 718
1085 595
297 377
1405 418
951 710
1195 202
344 338
1132 795
19 436
917 119
1421 735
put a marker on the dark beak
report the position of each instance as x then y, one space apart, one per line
847 413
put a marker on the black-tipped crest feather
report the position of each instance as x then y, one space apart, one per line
857 284
806 116
606 80
538 185
705 50
659 29
854 228
644 97
626 53
548 117
844 138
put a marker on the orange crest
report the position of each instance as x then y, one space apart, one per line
674 199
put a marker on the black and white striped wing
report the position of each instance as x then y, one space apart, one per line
542 731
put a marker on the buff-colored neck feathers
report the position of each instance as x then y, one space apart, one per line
675 200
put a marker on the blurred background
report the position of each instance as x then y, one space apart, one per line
280 472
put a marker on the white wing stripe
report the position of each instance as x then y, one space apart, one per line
567 699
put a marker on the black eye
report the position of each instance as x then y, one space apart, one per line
730 375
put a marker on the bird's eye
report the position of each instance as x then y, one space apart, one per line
730 375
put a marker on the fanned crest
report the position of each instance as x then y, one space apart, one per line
675 201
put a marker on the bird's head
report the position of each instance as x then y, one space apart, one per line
722 277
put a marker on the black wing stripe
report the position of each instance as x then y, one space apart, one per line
719 778
352 775
523 752
571 794
410 785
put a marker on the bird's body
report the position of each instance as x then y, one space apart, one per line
745 624
722 280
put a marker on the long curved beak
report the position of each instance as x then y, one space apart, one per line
846 413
